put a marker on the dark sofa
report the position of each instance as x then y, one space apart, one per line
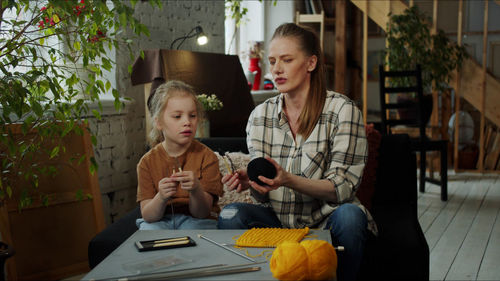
400 251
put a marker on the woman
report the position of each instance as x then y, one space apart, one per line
316 141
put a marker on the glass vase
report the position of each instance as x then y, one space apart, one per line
203 130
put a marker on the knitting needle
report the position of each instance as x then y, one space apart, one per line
229 170
231 162
171 203
165 242
228 249
191 273
137 277
174 243
169 240
186 238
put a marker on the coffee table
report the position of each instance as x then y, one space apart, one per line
126 259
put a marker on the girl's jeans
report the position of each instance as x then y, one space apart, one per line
181 222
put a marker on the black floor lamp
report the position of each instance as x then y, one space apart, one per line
196 31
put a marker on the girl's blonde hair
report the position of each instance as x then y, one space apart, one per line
310 45
162 94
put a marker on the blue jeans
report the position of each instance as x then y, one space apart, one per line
181 222
347 226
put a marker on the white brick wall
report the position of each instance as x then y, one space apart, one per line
121 137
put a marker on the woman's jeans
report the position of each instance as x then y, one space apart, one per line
347 225
178 221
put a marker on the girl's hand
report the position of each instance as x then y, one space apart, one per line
271 184
237 180
167 187
187 179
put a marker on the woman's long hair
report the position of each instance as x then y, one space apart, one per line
310 45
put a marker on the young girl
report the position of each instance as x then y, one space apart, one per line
179 181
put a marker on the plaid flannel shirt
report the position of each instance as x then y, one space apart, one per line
336 150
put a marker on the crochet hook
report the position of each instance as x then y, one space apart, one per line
228 249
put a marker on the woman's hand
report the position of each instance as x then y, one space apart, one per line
237 180
167 187
271 184
187 179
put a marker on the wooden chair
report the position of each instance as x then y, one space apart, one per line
422 143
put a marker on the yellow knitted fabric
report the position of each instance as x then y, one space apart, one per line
270 237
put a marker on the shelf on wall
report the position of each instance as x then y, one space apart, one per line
314 18
323 22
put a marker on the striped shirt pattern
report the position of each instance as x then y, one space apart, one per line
336 150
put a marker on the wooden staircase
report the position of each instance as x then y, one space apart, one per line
471 75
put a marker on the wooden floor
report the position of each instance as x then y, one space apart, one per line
463 233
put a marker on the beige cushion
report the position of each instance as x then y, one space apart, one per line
240 161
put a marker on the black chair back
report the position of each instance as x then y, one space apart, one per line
416 116
414 109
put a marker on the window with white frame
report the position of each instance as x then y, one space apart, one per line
259 24
32 31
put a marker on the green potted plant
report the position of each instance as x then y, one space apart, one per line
53 56
410 42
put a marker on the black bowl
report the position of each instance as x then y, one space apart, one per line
260 167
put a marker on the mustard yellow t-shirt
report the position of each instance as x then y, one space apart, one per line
156 164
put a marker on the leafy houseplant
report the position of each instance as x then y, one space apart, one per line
44 46
53 59
410 42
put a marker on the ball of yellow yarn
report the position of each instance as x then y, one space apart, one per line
322 259
289 262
